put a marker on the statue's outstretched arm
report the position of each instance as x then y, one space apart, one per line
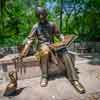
28 42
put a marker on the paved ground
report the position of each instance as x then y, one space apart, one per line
59 88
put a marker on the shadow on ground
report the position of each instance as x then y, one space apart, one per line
16 93
54 75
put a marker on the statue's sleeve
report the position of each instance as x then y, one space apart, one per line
31 35
28 42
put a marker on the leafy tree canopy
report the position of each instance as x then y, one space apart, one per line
81 17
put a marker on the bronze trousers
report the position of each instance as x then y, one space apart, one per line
44 53
69 63
65 57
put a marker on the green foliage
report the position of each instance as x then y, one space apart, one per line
17 19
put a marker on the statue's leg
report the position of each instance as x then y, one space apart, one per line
44 56
70 67
71 72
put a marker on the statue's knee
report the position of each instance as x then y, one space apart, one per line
44 51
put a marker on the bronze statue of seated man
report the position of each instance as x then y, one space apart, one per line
45 31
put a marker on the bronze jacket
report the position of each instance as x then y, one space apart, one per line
44 32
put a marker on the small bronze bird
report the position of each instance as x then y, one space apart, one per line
11 87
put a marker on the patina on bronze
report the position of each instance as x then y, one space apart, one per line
45 31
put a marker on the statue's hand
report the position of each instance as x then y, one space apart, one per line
18 58
62 37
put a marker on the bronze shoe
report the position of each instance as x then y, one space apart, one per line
43 82
78 86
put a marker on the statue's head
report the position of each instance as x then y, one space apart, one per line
41 14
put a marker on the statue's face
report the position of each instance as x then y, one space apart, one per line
41 14
42 18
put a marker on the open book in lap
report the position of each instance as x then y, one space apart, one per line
68 40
